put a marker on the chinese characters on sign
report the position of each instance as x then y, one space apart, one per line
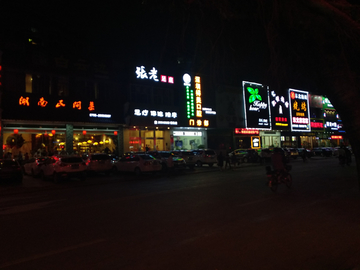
248 131
152 75
155 113
256 105
299 110
25 101
280 112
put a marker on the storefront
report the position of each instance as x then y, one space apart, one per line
270 139
40 125
188 138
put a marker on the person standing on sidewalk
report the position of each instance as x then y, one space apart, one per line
220 159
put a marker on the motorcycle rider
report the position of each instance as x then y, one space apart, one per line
278 161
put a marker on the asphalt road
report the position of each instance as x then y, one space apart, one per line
204 219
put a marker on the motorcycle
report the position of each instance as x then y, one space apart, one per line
276 177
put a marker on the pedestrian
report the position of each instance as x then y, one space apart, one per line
227 161
233 159
220 161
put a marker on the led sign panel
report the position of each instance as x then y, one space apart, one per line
256 105
246 131
280 112
299 110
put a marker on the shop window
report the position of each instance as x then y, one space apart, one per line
28 83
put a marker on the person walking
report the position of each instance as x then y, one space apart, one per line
220 160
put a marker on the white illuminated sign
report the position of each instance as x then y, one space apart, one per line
141 73
100 115
187 79
154 113
172 123
187 133
208 111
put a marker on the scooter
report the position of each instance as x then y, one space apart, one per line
276 177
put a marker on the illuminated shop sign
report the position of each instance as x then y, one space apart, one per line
187 133
152 75
208 111
42 102
155 113
317 125
331 125
256 104
171 123
326 103
336 137
247 131
255 142
100 115
280 111
299 110
194 110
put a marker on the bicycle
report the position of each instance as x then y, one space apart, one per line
275 178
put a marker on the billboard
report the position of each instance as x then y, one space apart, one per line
256 105
299 110
280 112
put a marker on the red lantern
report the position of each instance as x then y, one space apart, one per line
115 133
84 132
16 131
53 132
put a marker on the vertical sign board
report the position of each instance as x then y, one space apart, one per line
256 105
299 110
255 142
280 112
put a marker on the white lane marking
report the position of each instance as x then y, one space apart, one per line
51 253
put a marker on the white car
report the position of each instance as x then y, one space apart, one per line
137 163
98 163
64 166
33 166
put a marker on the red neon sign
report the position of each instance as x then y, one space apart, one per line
336 137
246 131
317 125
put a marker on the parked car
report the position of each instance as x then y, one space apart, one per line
137 163
309 153
64 166
33 166
322 151
164 158
205 156
188 156
246 155
10 170
294 153
98 162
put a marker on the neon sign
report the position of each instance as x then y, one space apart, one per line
100 115
154 113
332 125
336 137
187 133
299 110
194 102
141 73
248 131
42 102
255 142
24 101
317 125
280 111
256 105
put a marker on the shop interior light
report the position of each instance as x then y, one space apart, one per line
53 132
106 141
96 143
115 133
79 143
101 142
89 141
16 131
